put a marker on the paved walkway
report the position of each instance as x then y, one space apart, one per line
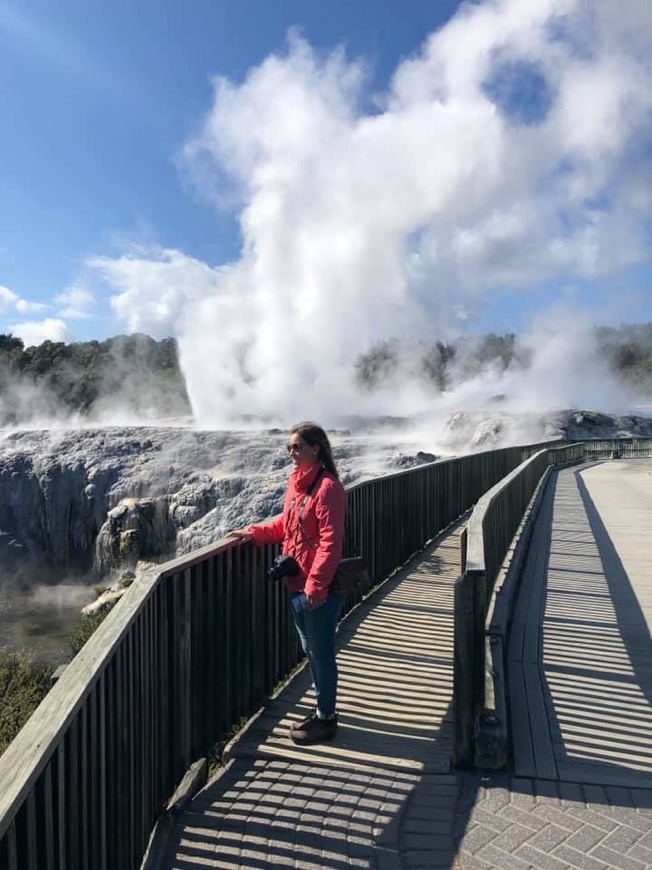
383 794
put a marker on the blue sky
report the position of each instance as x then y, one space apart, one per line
98 99
126 175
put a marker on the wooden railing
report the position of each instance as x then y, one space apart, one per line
193 648
618 448
483 612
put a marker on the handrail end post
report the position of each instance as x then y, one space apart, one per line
490 746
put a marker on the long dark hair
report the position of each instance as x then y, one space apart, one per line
313 434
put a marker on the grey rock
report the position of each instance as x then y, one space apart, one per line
101 500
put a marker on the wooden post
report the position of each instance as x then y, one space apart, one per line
465 673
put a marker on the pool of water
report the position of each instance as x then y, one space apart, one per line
38 621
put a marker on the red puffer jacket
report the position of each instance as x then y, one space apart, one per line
323 522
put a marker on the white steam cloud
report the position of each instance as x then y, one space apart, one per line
510 151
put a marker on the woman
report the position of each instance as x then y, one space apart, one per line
311 530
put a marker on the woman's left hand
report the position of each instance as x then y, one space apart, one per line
316 600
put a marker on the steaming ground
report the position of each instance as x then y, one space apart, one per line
84 505
39 620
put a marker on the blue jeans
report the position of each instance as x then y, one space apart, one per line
316 629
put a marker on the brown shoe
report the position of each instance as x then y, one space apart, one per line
315 730
298 726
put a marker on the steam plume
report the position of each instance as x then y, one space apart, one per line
507 154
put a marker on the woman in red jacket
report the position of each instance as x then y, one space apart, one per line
311 530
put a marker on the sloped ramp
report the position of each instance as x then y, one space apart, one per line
580 654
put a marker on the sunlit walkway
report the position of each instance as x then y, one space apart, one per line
580 651
365 798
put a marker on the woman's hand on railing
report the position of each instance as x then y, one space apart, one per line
243 535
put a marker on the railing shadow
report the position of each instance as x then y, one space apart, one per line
632 624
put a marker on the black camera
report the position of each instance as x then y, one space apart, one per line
284 566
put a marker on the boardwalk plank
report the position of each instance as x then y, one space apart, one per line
520 723
544 755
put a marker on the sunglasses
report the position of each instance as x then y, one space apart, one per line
295 448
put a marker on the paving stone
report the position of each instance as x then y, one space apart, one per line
635 820
577 858
513 813
646 841
622 838
497 857
481 816
586 838
473 862
617 861
563 818
496 799
477 837
632 818
510 839
548 838
588 817
539 860
640 853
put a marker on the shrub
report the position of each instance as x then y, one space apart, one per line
87 625
23 685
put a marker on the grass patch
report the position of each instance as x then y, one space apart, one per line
24 682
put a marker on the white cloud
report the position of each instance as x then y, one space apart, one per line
156 287
34 332
75 302
358 226
9 300
25 307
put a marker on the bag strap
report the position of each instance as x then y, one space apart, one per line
302 507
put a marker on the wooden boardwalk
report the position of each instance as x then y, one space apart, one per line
382 795
363 799
580 654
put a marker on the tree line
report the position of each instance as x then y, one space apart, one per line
139 374
130 372
627 350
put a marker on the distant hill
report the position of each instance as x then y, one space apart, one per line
127 374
